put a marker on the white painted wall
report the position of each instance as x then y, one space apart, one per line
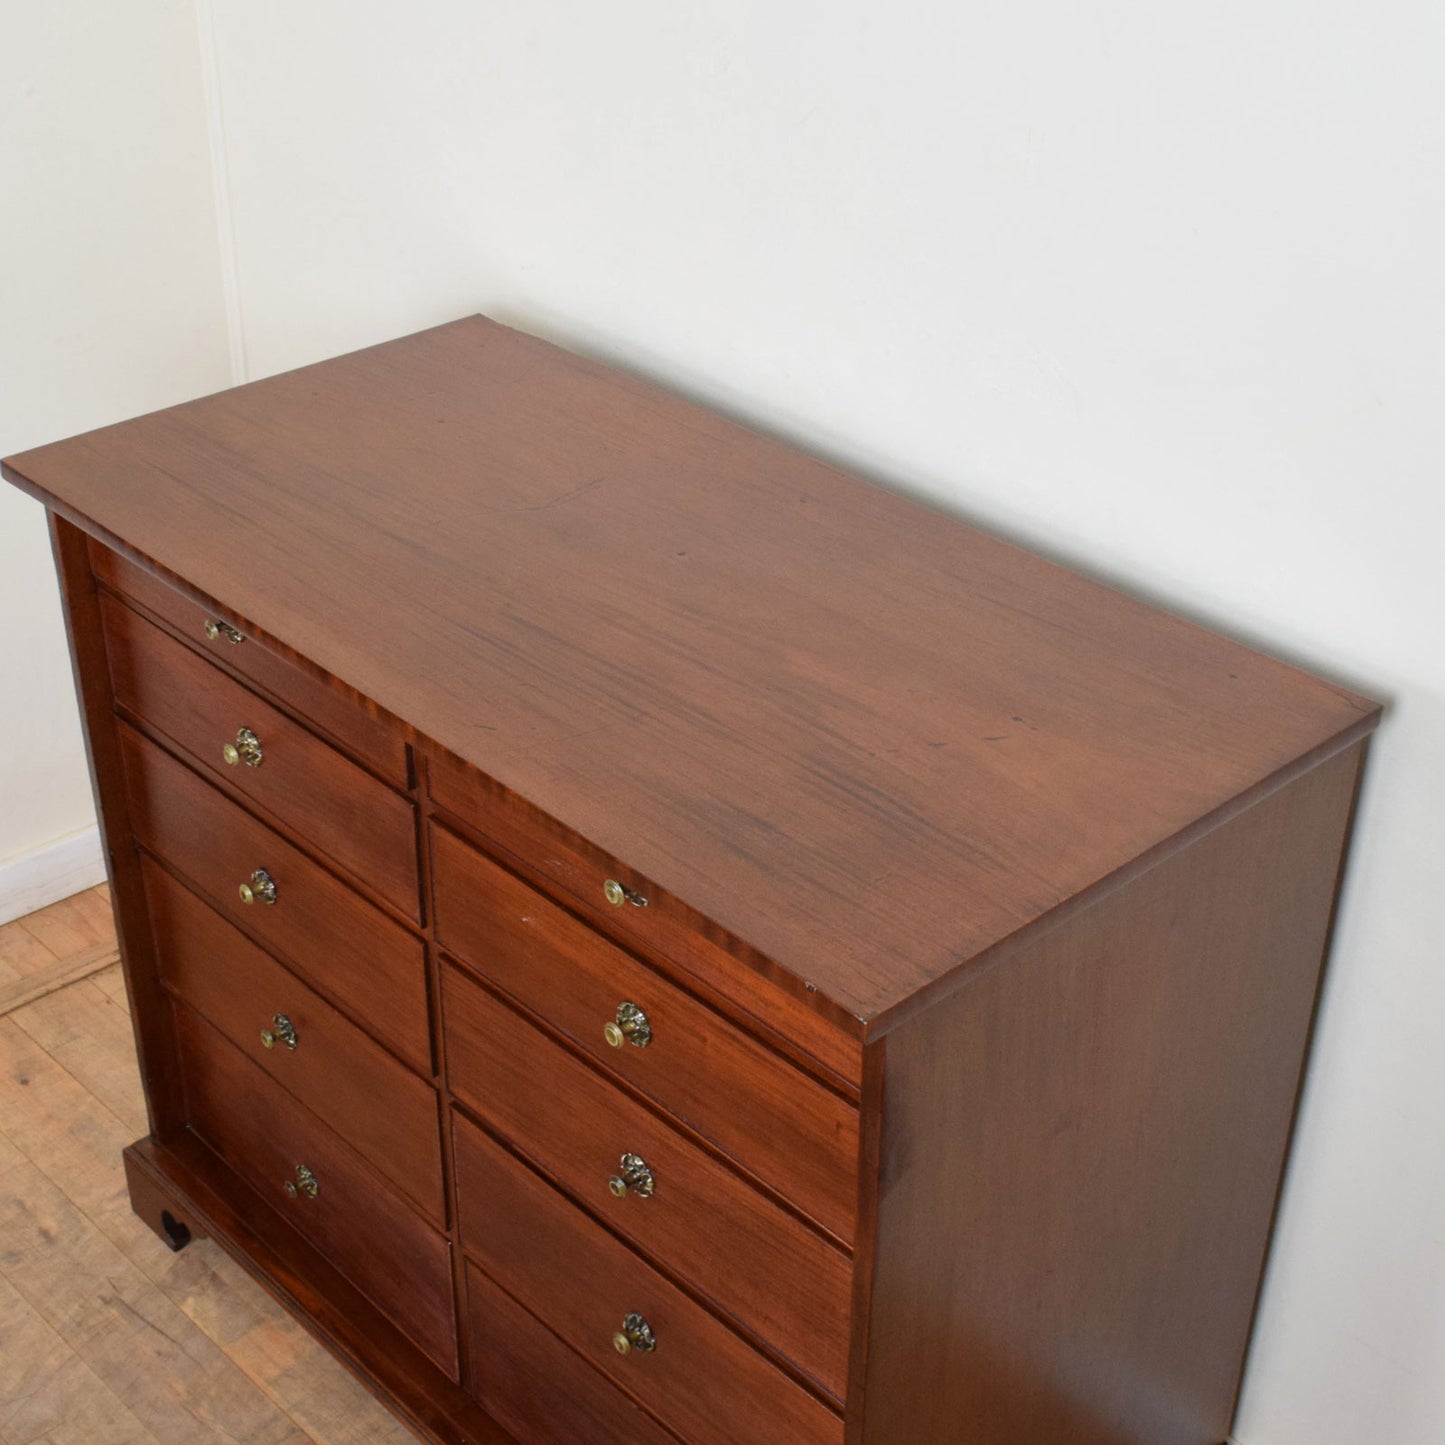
110 304
1156 288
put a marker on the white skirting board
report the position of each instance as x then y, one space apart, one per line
51 873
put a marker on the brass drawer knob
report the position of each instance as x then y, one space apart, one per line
261 888
282 1032
635 1334
304 1186
631 1027
617 894
634 1177
215 629
246 749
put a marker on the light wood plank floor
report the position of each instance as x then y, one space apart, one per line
106 1337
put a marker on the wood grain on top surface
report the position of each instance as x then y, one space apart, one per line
867 739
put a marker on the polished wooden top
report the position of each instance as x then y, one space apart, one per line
869 740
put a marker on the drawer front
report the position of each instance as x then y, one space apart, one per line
790 1131
536 1387
382 1109
349 719
701 1380
365 963
773 1274
329 801
369 1233
666 927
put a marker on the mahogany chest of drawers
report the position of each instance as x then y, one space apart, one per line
635 935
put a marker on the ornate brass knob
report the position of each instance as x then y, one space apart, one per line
283 1033
631 1027
305 1185
634 1177
635 1334
246 749
617 894
216 629
261 888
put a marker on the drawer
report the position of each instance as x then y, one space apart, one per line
382 1109
701 1380
330 706
370 1234
539 1389
365 963
666 928
789 1130
757 1262
305 783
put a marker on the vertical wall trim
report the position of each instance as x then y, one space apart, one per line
221 187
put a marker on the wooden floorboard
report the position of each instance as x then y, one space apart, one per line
22 955
47 1392
47 950
74 924
106 1336
55 976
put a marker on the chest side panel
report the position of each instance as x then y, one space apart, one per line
1082 1150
